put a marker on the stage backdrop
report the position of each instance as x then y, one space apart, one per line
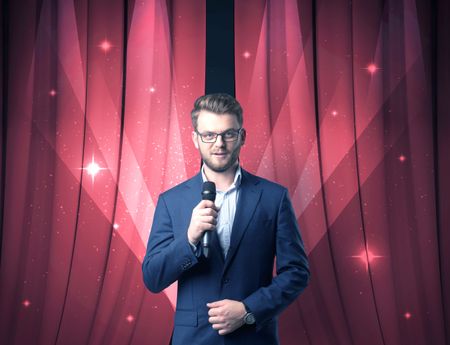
346 104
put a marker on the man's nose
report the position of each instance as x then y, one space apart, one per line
219 141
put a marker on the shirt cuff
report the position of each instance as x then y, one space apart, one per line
196 248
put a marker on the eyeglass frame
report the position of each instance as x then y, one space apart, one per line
239 131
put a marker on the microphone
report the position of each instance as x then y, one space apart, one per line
208 193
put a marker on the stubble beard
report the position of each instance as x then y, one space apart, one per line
219 168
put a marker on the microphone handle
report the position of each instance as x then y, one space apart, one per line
208 193
205 243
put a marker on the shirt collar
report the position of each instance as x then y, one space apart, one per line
237 177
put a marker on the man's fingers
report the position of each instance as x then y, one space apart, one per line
221 327
207 212
204 218
216 319
207 204
215 304
218 326
210 220
207 226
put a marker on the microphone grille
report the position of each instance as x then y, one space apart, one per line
209 191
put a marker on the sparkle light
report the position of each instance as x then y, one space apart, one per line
26 303
372 68
116 226
334 113
246 54
366 257
130 318
407 315
402 158
52 92
93 169
152 89
105 45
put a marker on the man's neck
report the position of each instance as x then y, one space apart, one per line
223 180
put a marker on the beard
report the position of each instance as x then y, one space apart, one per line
212 164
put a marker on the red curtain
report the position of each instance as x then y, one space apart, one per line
346 104
95 103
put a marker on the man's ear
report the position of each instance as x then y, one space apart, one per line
243 136
195 139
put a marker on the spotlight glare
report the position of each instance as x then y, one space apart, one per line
93 169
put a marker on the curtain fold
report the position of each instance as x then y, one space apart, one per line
440 73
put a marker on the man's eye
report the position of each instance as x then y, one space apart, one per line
230 134
208 136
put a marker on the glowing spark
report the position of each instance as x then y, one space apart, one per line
372 68
407 315
130 318
334 113
366 257
93 169
52 92
105 45
26 303
402 158
116 226
246 54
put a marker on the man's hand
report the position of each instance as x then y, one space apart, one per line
226 315
204 218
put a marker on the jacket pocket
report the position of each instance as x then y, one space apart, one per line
186 318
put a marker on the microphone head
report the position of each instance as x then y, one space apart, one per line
209 191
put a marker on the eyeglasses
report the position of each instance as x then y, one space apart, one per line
227 136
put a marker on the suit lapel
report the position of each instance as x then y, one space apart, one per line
249 195
191 197
195 183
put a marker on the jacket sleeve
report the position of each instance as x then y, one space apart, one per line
291 266
168 256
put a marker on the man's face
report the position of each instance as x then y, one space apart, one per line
219 156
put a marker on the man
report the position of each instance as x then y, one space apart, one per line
231 296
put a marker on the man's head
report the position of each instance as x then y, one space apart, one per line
218 133
217 103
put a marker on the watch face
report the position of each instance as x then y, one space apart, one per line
249 319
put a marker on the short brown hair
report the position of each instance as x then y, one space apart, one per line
217 103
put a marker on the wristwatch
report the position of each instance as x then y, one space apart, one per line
249 318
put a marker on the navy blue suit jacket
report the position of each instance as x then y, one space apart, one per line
264 227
